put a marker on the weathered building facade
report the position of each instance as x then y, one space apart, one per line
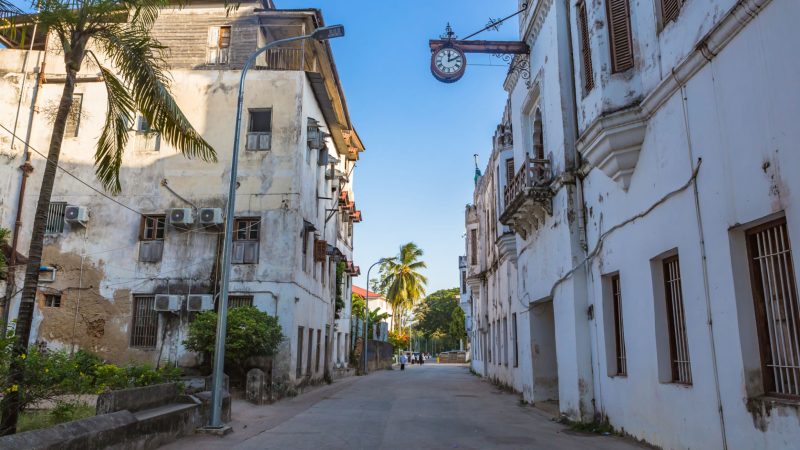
655 224
112 263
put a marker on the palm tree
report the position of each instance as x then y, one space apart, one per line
119 32
401 280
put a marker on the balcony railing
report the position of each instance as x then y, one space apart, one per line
282 59
533 173
528 197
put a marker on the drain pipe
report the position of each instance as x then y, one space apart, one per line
704 263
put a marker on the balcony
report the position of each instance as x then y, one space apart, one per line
528 198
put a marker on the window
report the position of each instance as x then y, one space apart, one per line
305 249
259 129
74 117
299 370
52 300
670 9
473 246
151 235
246 233
509 171
152 228
505 341
586 48
490 341
463 281
146 138
55 218
310 350
619 35
776 307
145 322
619 332
219 43
514 336
680 363
319 350
238 301
538 135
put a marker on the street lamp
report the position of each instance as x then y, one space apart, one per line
366 312
319 34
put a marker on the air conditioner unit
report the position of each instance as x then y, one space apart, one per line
316 137
210 216
200 302
181 217
323 157
170 303
76 215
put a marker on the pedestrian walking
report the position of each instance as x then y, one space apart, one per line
403 361
420 360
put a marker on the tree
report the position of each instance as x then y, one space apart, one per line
436 314
119 31
251 332
401 281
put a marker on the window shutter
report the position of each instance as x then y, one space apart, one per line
670 10
237 256
151 251
213 45
320 250
250 252
586 49
619 31
509 171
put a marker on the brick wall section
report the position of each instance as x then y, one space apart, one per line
185 33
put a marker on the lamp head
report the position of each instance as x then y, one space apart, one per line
325 33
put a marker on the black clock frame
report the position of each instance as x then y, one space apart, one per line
448 77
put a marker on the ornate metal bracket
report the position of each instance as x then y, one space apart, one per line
518 65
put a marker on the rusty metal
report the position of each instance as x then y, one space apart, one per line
490 47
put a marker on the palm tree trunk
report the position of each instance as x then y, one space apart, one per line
11 403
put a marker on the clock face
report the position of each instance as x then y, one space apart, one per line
448 64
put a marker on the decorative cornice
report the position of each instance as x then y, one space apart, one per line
534 26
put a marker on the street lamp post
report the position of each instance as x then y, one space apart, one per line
366 312
319 34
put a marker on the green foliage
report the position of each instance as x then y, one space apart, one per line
400 279
63 412
250 332
340 268
360 305
437 314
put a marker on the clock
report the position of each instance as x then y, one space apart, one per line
448 63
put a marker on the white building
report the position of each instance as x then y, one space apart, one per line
654 218
295 203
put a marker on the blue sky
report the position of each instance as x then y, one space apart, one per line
416 175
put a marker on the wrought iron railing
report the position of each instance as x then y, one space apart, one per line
282 59
533 173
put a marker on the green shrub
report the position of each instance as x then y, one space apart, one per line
250 332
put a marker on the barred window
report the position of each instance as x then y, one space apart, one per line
144 329
238 301
74 117
619 332
680 363
55 218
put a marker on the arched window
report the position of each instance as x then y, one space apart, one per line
538 135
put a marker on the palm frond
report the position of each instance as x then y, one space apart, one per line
111 145
139 60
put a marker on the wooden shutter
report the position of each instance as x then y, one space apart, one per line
619 34
509 171
670 10
586 49
320 250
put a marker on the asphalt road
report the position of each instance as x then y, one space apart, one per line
429 407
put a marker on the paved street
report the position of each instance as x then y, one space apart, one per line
430 407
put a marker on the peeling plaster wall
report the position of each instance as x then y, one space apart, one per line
741 108
276 186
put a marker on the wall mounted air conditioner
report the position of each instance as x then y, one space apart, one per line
323 157
210 216
181 217
200 302
76 215
168 303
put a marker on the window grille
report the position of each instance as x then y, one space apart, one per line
52 300
514 335
74 117
586 48
619 35
145 322
238 301
55 218
310 350
319 350
299 370
676 320
619 332
776 307
463 281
